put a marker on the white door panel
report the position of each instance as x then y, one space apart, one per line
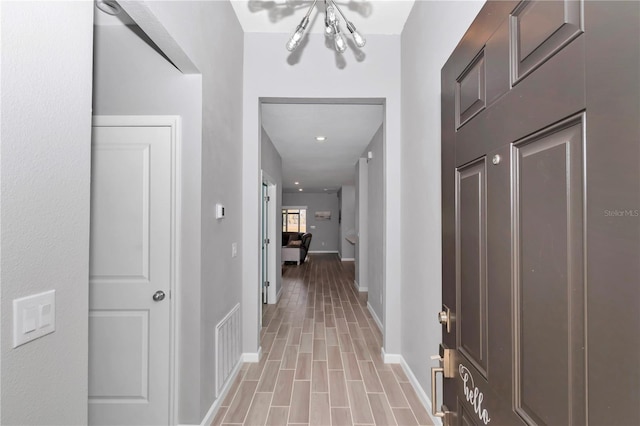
129 332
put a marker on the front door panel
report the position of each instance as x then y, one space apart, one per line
548 278
532 124
471 265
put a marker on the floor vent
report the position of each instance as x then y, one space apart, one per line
228 350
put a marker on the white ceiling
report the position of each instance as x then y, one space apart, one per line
318 165
282 16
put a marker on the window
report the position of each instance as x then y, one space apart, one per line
294 219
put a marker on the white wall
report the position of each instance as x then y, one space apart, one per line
348 225
326 233
45 130
312 72
131 78
375 234
430 35
271 163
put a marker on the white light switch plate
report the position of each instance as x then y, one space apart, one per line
33 316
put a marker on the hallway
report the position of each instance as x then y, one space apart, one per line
321 362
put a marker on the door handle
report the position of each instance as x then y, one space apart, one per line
434 395
158 296
445 317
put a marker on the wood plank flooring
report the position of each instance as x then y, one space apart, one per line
321 363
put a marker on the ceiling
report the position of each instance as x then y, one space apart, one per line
320 166
282 16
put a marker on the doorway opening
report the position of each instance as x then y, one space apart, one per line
329 155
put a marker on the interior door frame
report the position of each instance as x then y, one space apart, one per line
174 123
272 296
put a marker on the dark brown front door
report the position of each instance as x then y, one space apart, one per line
541 216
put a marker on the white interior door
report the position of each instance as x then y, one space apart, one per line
130 275
265 243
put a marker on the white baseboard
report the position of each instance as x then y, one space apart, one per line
391 358
252 356
348 259
278 295
426 401
358 288
213 410
323 251
375 317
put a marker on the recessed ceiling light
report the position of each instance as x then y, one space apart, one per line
321 138
326 189
296 183
300 189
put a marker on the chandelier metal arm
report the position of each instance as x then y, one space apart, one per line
332 28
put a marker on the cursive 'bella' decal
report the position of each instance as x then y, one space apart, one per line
473 394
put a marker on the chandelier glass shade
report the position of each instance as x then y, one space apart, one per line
332 22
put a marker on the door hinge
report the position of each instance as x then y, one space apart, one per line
267 198
267 283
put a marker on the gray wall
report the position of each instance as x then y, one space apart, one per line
131 78
362 227
326 233
210 34
271 71
375 228
348 225
271 163
430 35
45 92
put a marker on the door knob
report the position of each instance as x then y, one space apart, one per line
158 296
444 317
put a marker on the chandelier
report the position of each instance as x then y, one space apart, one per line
331 28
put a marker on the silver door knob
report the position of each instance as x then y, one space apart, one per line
158 296
445 317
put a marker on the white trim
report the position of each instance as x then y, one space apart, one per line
358 288
175 288
426 401
391 358
213 410
322 251
251 356
348 259
375 317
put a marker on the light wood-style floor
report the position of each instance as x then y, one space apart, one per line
321 361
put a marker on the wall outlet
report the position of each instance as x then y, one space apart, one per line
234 249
